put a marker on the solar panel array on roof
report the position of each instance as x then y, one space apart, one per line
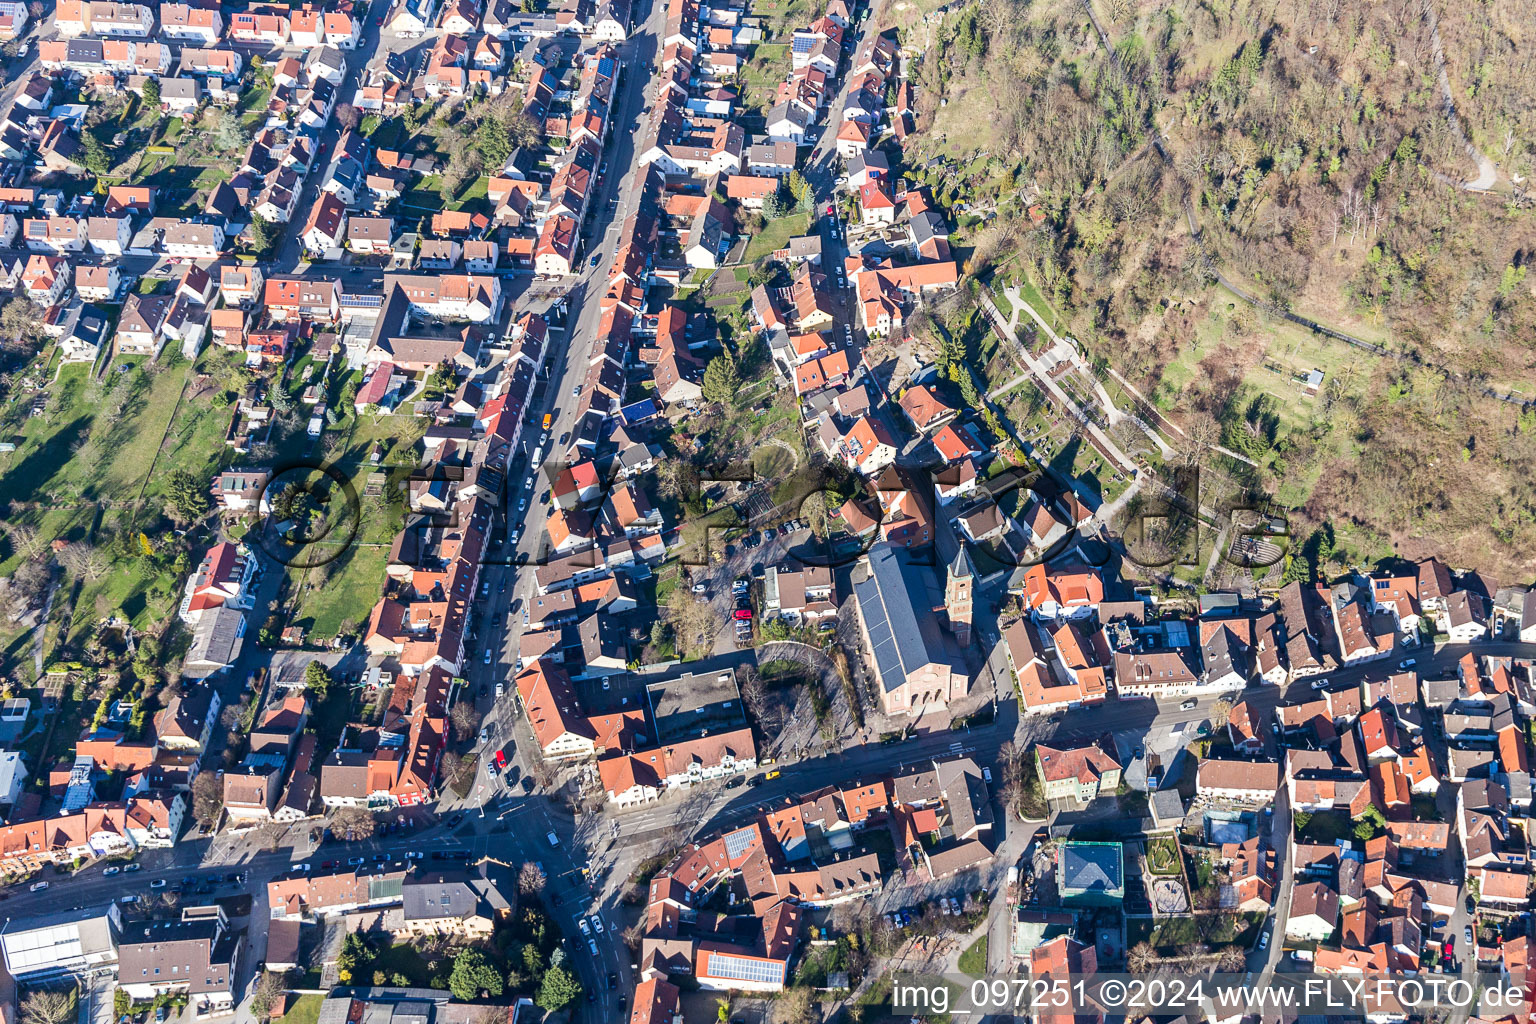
900 640
737 842
639 411
743 968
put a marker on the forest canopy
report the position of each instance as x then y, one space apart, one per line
1306 153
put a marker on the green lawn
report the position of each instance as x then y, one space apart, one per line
305 1010
1163 856
473 195
776 235
1170 934
974 960
341 592
82 449
766 66
1324 827
1032 296
403 959
253 104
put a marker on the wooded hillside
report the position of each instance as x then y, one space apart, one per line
1310 144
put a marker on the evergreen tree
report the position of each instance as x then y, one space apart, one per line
721 380
317 680
186 499
472 974
559 988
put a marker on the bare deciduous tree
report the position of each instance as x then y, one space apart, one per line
207 799
531 879
353 824
43 1006
464 719
1140 958
83 561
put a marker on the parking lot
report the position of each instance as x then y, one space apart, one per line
745 558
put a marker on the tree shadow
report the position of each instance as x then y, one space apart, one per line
27 479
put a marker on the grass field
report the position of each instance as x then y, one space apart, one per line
99 441
305 1010
341 592
766 66
964 126
974 960
776 235
1171 933
1163 856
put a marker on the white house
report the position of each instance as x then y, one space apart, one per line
1314 912
1251 782
193 241
1465 617
108 235
13 777
184 23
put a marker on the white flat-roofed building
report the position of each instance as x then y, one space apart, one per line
53 945
719 970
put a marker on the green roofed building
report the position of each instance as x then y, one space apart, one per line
1090 874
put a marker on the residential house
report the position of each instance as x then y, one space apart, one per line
1080 774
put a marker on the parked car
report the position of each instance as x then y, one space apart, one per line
581 923
1264 940
109 872
597 924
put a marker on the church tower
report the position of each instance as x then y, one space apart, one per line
957 595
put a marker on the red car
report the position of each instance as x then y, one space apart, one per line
743 613
501 759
